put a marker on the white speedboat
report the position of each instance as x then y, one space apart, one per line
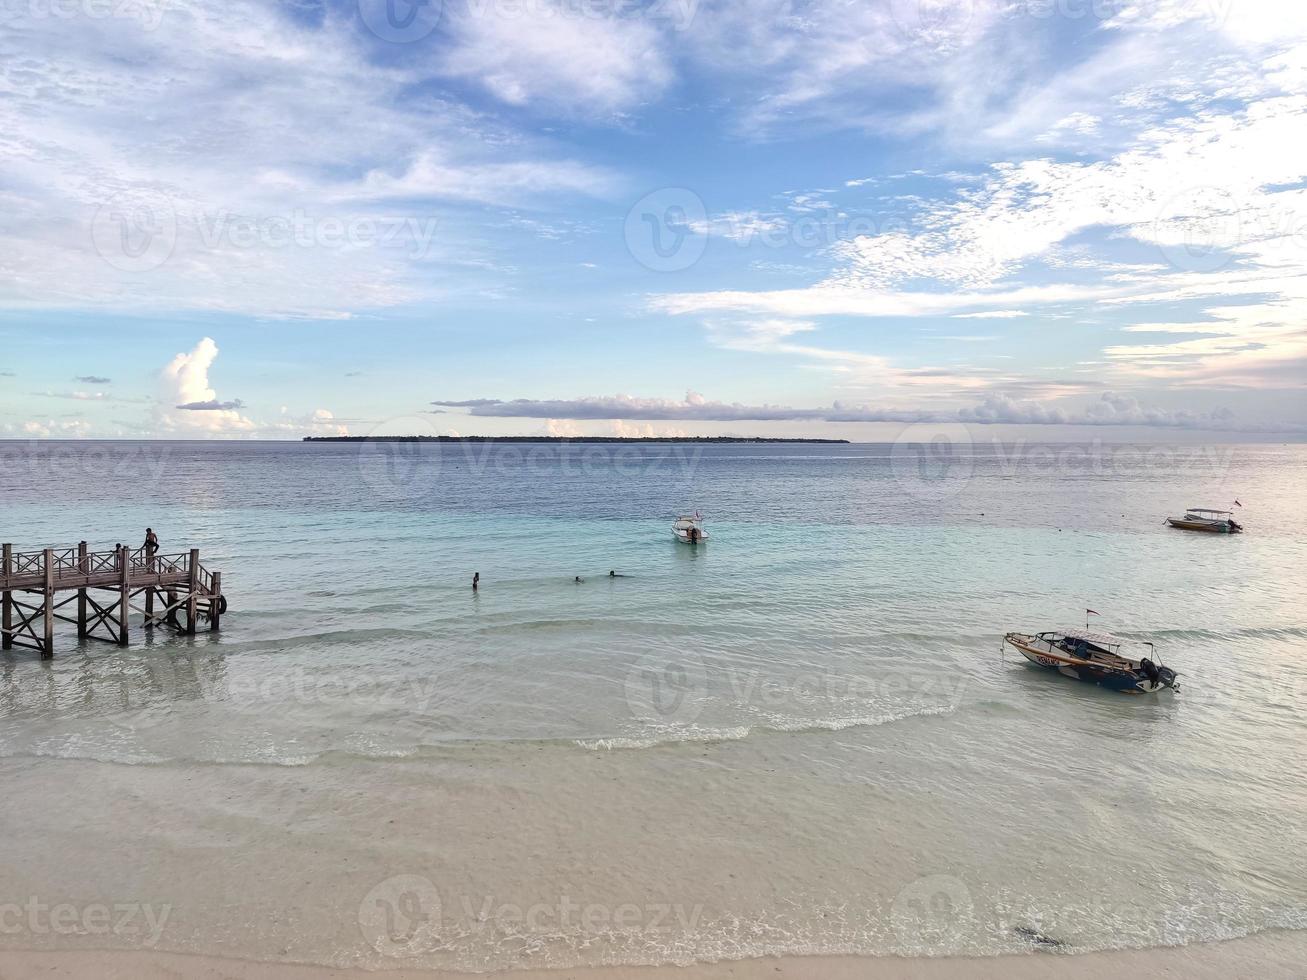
1096 658
688 529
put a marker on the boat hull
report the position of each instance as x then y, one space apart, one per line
1121 681
1212 527
684 538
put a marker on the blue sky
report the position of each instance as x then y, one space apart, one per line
262 220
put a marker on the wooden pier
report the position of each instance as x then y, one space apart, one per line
177 592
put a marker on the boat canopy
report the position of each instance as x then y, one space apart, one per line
1098 639
1205 510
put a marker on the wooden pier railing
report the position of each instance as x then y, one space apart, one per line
36 585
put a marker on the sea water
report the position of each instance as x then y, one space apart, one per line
799 737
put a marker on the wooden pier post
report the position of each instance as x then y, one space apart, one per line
7 615
192 611
47 609
149 606
215 602
124 593
84 568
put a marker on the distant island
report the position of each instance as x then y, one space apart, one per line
697 439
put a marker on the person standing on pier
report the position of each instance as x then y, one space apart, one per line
151 547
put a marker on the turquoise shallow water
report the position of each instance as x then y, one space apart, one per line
799 738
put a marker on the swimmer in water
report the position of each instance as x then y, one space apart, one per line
476 580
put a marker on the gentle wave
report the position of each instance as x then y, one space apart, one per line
82 749
693 733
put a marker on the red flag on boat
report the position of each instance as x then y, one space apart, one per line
1091 612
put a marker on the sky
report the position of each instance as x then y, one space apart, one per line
1047 218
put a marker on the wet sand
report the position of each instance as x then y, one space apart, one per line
1267 956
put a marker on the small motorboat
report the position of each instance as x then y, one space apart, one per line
1203 519
688 529
1096 658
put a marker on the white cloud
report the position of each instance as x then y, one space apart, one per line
562 429
566 56
54 428
1110 409
430 175
647 430
185 381
1215 196
240 159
